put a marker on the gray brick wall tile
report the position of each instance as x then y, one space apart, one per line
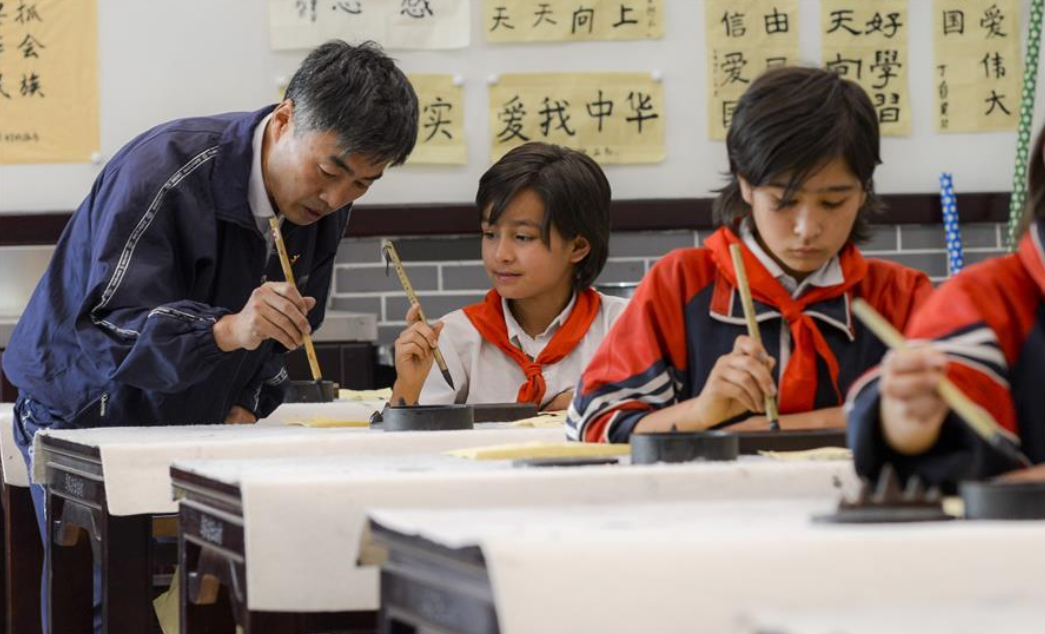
355 304
388 334
932 264
976 257
439 249
932 236
369 279
435 305
359 250
469 277
883 238
622 272
648 243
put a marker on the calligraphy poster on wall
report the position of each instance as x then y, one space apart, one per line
612 117
866 41
977 65
744 38
440 129
507 21
395 24
48 81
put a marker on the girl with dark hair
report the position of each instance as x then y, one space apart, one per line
803 147
987 327
544 214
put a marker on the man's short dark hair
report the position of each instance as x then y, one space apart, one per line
573 188
358 93
791 122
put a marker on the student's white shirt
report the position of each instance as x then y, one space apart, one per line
484 374
257 195
829 274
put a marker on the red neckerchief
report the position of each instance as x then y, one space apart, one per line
798 383
1032 253
488 318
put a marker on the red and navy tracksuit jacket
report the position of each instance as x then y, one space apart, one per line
990 321
686 313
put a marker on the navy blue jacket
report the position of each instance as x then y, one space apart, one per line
119 330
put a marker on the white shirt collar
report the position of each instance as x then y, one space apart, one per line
533 346
829 273
257 195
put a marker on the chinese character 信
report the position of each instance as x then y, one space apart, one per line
734 23
415 8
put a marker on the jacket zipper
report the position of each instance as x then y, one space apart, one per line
105 402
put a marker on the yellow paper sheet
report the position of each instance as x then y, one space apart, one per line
531 450
546 420
744 38
820 453
977 69
867 43
612 117
167 607
411 24
322 421
48 81
440 129
556 21
382 394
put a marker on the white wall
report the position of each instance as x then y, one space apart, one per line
164 59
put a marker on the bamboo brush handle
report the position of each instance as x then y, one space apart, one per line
288 273
772 412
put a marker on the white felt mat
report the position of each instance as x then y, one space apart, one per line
15 473
687 568
305 519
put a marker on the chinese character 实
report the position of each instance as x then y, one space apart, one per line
512 116
642 106
583 18
840 20
734 23
954 22
624 11
733 68
887 26
995 101
992 19
29 46
993 64
885 64
500 18
31 85
846 67
776 22
436 123
600 109
415 8
543 14
26 13
555 110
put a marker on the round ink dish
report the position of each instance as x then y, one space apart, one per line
427 418
1003 500
311 392
673 446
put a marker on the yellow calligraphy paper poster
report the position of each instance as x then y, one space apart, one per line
744 38
440 129
977 71
557 21
402 24
866 42
612 117
48 81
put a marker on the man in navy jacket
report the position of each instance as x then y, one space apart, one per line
157 307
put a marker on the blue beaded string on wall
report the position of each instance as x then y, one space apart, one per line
955 257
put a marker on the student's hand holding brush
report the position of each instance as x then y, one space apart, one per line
414 355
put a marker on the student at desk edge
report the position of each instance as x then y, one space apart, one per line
987 328
544 216
803 146
155 308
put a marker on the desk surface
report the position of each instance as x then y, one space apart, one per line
304 519
705 567
15 472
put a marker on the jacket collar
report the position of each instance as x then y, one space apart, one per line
726 306
232 168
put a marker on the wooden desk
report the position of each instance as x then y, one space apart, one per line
22 552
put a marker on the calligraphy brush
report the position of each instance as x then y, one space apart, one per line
392 257
752 325
288 273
